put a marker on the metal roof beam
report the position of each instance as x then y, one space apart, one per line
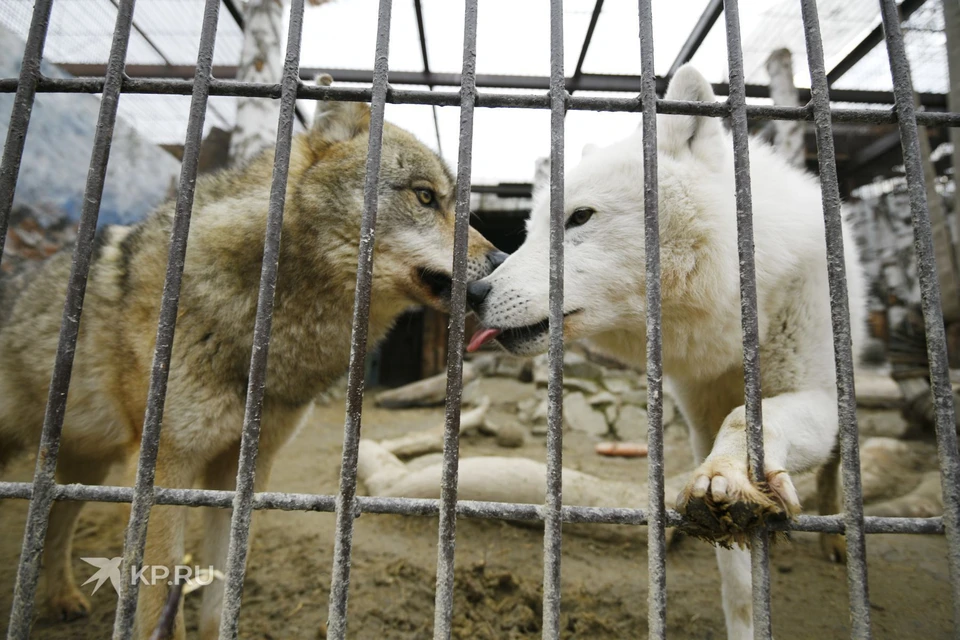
597 7
697 35
875 37
418 7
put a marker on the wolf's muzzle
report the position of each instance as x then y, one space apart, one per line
477 292
495 258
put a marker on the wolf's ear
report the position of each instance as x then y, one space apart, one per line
589 149
700 135
338 121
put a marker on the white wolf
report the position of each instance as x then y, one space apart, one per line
604 289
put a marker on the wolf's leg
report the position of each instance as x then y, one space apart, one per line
221 473
734 564
833 545
164 546
799 432
736 590
66 600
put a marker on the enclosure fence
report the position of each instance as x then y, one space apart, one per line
43 490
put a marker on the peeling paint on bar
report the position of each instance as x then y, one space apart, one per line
38 515
347 506
842 343
446 536
736 102
552 509
136 534
656 537
929 295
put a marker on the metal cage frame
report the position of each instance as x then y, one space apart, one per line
43 490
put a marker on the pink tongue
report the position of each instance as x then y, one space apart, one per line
482 337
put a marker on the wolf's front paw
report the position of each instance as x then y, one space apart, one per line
723 505
70 604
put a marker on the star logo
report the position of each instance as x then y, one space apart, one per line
107 569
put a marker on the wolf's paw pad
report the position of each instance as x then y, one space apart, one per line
70 605
723 505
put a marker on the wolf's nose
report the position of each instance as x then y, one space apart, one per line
477 292
495 258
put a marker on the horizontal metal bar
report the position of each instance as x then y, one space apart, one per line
323 503
487 100
583 82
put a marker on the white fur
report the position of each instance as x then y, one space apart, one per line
604 293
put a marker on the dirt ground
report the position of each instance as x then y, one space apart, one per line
499 565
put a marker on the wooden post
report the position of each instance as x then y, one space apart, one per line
261 60
788 133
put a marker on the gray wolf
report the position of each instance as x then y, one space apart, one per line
604 300
204 410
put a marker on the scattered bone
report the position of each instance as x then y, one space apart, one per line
428 392
925 501
430 440
500 479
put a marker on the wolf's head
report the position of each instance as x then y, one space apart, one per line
413 253
604 256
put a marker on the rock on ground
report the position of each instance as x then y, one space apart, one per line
580 416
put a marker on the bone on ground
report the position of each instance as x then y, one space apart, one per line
503 479
431 440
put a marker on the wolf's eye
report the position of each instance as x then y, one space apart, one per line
426 196
579 217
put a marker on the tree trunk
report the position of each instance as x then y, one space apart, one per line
788 133
261 60
951 21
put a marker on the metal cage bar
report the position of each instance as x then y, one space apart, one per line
22 108
656 536
143 496
38 515
443 610
43 490
319 503
736 101
257 378
160 86
347 498
553 504
944 410
842 342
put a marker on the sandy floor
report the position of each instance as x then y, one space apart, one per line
499 565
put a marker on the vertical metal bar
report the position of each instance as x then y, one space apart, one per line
552 534
22 108
748 309
38 516
929 295
143 497
656 519
842 343
443 609
240 520
347 508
